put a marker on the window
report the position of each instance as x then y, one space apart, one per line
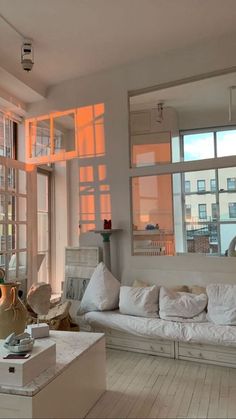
202 211
8 135
214 212
201 185
187 211
187 186
231 183
232 209
213 185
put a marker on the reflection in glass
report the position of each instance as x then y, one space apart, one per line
226 143
150 149
153 215
64 133
198 146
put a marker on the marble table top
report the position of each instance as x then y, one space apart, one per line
69 346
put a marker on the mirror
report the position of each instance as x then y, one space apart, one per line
183 168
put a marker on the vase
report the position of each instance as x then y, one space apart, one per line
13 313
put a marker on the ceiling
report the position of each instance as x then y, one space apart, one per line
209 94
73 38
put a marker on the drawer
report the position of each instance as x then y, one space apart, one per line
149 346
208 355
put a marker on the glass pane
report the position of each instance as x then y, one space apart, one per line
21 182
202 238
22 270
40 138
2 237
227 179
153 215
12 261
150 149
2 177
42 231
226 143
227 233
2 260
198 146
2 207
44 269
22 242
42 192
11 236
11 179
64 133
199 182
11 200
22 202
227 206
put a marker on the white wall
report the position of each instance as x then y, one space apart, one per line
111 87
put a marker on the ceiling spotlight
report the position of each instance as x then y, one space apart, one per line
27 55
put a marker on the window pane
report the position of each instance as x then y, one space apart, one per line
11 201
64 133
2 207
227 233
2 177
21 208
11 237
227 179
39 133
150 149
22 237
153 215
21 182
200 181
202 238
198 146
2 237
226 143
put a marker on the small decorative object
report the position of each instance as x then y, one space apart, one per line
152 227
2 275
38 298
19 343
107 225
13 313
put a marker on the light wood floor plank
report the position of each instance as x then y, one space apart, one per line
144 386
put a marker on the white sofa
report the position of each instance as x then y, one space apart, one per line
200 341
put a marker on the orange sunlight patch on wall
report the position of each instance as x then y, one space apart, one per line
65 135
86 174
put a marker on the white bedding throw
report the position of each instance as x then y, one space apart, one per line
147 327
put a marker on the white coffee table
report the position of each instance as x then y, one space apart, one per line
67 390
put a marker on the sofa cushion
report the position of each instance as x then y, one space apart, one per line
139 301
102 292
139 284
181 305
222 304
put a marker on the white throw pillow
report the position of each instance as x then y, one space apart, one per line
139 301
222 303
180 304
102 292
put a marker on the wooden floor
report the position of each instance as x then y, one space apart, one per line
145 386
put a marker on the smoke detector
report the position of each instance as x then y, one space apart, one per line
27 55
